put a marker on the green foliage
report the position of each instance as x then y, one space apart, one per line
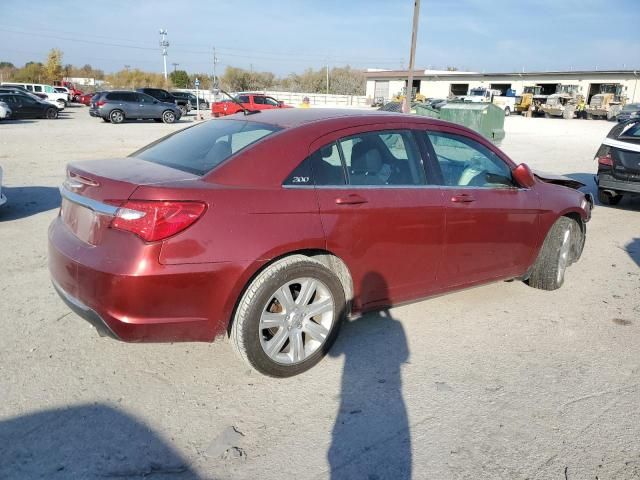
7 65
135 79
32 72
180 79
239 79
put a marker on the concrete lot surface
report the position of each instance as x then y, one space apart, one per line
497 382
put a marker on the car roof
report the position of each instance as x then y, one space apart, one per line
295 117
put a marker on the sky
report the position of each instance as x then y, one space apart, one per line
290 35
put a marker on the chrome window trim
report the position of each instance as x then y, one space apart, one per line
91 204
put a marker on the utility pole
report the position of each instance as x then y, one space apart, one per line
214 84
327 78
406 105
175 65
164 44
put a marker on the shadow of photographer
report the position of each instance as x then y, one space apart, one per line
371 438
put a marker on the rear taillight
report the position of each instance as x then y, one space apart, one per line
100 103
604 155
156 220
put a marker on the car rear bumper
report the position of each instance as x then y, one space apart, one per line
132 297
94 112
612 183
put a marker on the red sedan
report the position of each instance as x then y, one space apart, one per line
250 101
85 99
272 228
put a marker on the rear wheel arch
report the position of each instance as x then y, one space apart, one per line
327 258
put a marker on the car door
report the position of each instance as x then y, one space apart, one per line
28 107
378 212
148 107
492 223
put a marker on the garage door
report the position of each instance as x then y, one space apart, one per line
381 90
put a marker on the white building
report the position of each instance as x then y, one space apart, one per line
441 84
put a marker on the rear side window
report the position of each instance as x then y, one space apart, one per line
382 158
201 148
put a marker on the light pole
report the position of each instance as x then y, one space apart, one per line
406 105
164 44
175 65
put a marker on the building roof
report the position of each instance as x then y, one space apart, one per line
402 74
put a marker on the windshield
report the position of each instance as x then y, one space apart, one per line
631 107
477 92
201 148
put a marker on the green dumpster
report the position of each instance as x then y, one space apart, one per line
485 118
425 111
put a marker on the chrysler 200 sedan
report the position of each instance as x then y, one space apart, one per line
272 228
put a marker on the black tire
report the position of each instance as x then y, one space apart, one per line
106 120
558 251
157 120
116 116
51 113
169 116
246 334
507 112
606 198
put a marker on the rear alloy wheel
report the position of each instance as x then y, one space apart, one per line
168 117
288 317
51 113
557 253
116 116
607 198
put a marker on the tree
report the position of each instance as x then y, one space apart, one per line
32 72
53 68
180 79
7 65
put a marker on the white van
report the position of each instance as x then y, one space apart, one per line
59 97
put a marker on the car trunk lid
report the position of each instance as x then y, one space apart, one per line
626 159
93 191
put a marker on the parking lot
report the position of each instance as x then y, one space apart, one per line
500 381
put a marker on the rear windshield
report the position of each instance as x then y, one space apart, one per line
200 149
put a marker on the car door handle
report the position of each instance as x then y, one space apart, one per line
353 199
463 198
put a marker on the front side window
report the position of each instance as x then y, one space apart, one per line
201 148
258 100
271 101
467 163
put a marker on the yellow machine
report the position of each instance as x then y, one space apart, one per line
531 96
608 103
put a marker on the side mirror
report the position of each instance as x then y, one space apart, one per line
280 104
524 176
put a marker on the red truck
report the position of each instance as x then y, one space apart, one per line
75 93
250 101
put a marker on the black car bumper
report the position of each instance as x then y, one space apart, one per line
608 182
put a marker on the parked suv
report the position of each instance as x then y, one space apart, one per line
165 96
191 98
619 163
118 105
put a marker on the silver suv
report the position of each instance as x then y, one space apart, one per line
119 105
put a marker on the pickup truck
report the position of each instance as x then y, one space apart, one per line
484 95
250 101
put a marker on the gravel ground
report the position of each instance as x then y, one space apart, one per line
499 382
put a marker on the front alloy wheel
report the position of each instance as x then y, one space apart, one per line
168 117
